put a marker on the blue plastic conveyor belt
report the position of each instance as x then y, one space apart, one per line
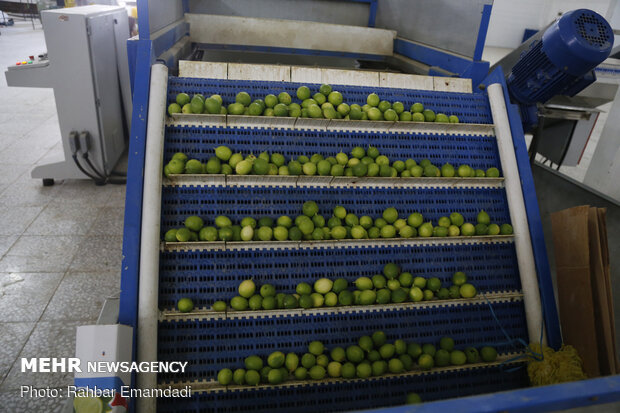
211 343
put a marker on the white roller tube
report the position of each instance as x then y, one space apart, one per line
150 238
516 205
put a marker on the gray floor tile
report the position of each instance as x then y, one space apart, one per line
6 242
67 219
117 198
26 191
84 193
22 152
53 338
97 254
15 403
80 296
12 339
22 123
37 253
24 297
10 172
108 222
15 220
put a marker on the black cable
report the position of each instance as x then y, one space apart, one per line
77 163
92 167
104 179
123 174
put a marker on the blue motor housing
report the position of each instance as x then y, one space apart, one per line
561 62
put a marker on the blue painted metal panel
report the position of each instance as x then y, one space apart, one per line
530 400
482 31
143 19
372 14
289 50
128 307
431 56
164 42
550 313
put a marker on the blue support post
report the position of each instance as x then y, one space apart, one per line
143 19
128 307
482 31
550 313
372 14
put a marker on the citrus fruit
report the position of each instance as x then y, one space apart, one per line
243 98
280 110
247 288
481 229
453 119
368 297
442 358
467 290
413 398
197 105
429 115
276 359
335 98
506 229
374 114
441 118
269 303
426 362
275 376
170 235
325 89
309 168
443 293
185 305
253 363
363 370
399 295
493 229
395 366
219 306
174 108
459 278
390 115
255 302
213 106
183 234
303 93
472 355
252 377
391 270
454 292
323 285
355 354
468 229
182 99
239 376
446 343
492 173
419 282
458 358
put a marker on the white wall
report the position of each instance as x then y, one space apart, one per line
510 18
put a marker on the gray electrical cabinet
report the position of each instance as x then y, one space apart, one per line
86 65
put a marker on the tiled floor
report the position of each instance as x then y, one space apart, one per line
60 246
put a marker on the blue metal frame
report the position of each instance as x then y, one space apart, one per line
436 58
530 400
550 313
165 41
482 31
289 50
128 307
